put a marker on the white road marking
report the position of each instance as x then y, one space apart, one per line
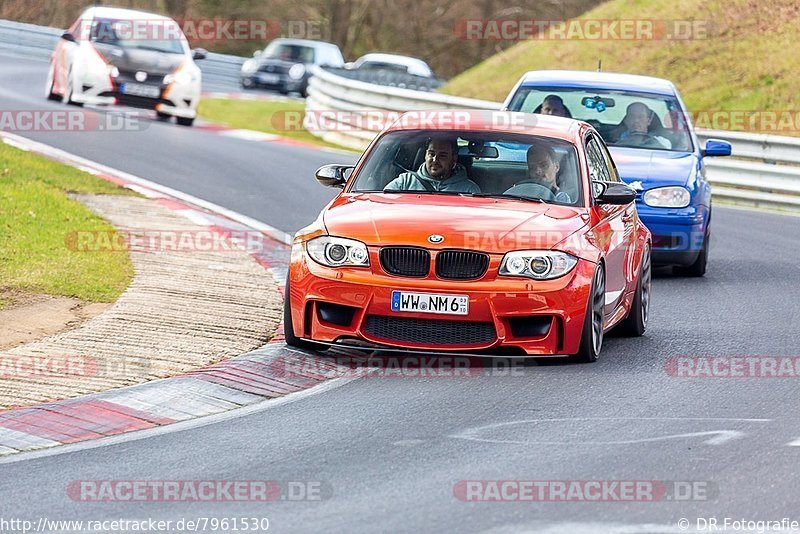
718 437
795 443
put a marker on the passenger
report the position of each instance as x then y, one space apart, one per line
542 180
440 171
635 129
553 105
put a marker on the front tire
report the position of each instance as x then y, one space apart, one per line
593 322
288 326
183 121
635 323
698 268
51 83
67 98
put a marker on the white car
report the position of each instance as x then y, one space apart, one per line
380 61
131 58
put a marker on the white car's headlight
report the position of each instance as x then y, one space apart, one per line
338 252
537 264
182 77
250 66
297 71
667 197
113 71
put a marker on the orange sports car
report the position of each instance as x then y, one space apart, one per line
493 233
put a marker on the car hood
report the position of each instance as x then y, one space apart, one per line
489 225
654 168
149 61
277 65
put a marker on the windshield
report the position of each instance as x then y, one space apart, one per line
289 52
518 166
157 35
623 118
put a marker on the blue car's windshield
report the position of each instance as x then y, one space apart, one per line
623 118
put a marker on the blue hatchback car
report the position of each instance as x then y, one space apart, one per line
650 135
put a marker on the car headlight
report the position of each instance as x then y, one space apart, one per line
113 71
182 77
338 252
667 197
537 264
249 66
297 71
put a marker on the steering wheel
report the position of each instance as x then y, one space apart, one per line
642 139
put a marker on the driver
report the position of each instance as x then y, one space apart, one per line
440 171
543 167
636 128
553 105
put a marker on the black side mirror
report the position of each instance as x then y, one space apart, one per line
68 37
613 193
332 175
199 53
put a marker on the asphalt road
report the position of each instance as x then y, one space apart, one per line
389 451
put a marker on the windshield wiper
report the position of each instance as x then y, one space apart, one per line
505 195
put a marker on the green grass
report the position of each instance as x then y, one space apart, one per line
284 118
746 62
36 215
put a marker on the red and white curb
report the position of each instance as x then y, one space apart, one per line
242 381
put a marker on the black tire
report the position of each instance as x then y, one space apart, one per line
698 268
50 94
183 121
163 116
635 323
67 98
288 327
592 336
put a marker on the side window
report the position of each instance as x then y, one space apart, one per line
612 168
598 168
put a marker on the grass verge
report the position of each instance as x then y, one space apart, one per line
35 217
283 118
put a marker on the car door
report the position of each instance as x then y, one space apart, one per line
611 227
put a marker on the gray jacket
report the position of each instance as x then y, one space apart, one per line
412 181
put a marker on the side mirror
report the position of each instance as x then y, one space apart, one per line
332 175
716 147
68 37
257 53
199 53
613 193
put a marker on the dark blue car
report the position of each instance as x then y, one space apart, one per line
650 135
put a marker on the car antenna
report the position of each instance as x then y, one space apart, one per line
599 65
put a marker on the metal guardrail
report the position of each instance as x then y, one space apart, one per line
220 71
764 170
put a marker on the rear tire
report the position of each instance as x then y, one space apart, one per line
288 326
592 337
51 83
635 323
183 121
698 268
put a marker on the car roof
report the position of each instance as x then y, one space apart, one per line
491 121
304 42
597 80
407 61
117 13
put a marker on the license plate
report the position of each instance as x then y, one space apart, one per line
403 301
138 89
271 79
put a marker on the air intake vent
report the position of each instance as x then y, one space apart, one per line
430 331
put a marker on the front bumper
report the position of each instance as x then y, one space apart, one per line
678 233
180 100
514 316
277 81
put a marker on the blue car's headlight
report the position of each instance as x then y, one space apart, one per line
667 197
338 252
